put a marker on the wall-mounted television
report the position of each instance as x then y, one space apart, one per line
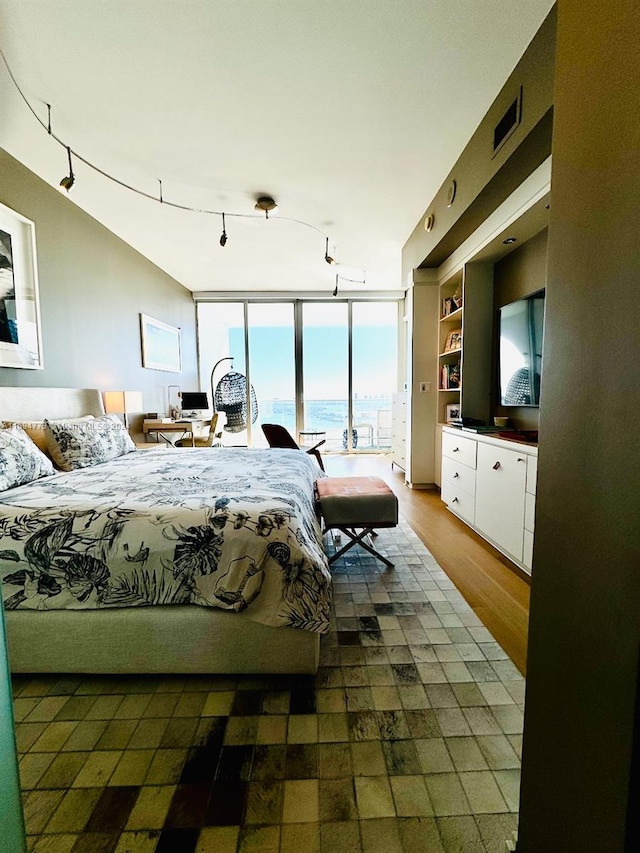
520 333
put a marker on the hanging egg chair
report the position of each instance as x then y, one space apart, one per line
230 397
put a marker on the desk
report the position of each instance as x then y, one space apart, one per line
160 428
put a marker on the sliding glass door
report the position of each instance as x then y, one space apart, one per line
272 366
374 344
323 370
325 373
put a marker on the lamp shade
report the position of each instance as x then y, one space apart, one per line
122 402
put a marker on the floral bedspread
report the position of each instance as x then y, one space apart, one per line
230 528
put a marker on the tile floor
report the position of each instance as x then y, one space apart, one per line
407 739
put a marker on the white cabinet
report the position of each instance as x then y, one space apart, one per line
500 490
399 430
490 484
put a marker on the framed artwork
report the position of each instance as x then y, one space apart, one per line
454 340
160 345
452 412
20 334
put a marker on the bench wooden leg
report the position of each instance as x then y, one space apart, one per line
358 539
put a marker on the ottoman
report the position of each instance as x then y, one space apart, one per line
350 504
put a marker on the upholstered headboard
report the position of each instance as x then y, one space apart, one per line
34 404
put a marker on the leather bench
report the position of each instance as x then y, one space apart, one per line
352 504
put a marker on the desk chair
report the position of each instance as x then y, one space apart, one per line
206 440
278 436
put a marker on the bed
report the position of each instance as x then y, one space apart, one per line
181 561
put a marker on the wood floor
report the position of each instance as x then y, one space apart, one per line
496 590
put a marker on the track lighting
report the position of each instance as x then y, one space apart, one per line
353 280
263 203
67 182
327 256
266 203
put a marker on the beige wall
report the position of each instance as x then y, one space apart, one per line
484 181
93 287
581 716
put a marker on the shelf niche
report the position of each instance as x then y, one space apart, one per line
473 285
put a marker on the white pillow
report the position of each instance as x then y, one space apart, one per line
20 460
84 443
35 430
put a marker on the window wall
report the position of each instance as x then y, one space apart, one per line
321 369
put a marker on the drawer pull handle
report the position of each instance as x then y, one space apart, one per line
520 459
496 466
454 501
456 475
455 449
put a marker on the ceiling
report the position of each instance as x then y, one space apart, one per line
350 113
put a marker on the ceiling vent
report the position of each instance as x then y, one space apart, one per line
508 123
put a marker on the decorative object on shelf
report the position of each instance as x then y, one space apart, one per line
452 412
447 306
20 336
450 377
122 403
230 396
501 422
454 340
160 345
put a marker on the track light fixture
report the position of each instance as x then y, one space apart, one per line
69 180
362 280
327 256
266 203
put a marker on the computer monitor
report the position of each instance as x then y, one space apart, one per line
193 402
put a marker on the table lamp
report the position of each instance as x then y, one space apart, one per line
122 403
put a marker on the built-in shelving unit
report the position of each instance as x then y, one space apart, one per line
450 346
464 343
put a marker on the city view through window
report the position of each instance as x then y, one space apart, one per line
322 410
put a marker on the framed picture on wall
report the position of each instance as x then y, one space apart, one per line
160 345
20 335
452 412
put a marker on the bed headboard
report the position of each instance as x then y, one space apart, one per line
34 404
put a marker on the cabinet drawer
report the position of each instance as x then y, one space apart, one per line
459 448
458 501
529 512
532 474
460 476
